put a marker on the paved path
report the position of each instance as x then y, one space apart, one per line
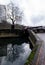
41 55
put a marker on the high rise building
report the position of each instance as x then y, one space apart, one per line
2 12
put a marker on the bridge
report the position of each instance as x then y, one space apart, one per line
17 36
38 29
10 36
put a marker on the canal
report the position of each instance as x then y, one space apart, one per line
21 53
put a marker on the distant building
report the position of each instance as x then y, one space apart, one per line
2 12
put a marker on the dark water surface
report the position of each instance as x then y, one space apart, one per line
18 57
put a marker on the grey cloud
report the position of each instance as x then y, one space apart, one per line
37 19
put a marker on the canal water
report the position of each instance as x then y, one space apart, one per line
16 55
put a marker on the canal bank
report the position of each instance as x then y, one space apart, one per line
33 57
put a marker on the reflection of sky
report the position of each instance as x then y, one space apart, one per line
24 52
33 9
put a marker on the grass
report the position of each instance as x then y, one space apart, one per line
31 56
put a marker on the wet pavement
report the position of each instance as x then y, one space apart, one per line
41 54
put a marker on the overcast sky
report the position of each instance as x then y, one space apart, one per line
34 11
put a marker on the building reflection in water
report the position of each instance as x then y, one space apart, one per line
16 55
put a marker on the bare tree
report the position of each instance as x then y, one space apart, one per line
15 14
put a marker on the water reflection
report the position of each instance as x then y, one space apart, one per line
18 57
